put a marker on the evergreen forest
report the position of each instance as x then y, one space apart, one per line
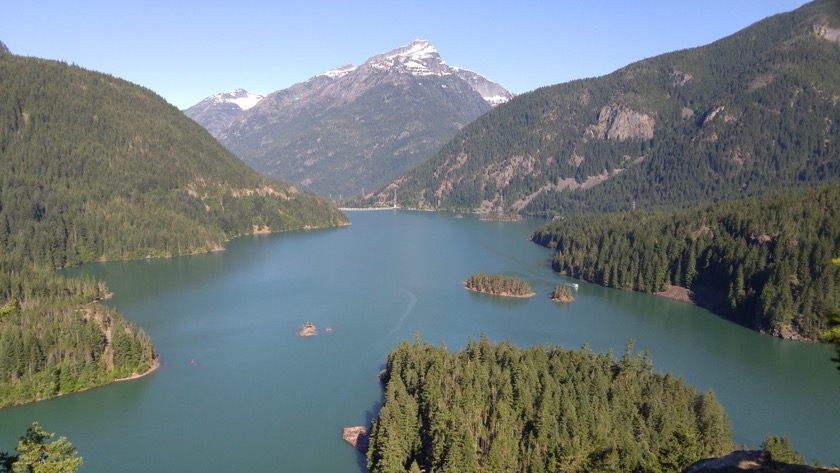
764 262
95 168
495 407
499 285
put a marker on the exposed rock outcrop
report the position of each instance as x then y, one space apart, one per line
617 122
357 437
827 32
308 330
750 460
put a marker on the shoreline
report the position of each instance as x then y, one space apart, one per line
154 367
521 296
677 293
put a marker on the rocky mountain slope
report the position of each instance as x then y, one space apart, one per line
220 110
754 111
3 48
355 128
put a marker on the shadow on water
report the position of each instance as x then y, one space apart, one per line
370 414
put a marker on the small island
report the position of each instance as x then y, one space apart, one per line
561 293
308 330
499 285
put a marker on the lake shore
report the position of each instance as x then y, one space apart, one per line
154 367
502 294
703 296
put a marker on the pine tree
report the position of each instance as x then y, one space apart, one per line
36 455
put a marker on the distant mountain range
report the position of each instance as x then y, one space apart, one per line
754 111
354 128
4 48
218 111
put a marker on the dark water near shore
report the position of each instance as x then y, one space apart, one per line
260 398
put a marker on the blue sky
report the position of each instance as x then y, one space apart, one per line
186 50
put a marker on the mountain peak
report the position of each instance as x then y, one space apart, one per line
4 48
239 97
419 58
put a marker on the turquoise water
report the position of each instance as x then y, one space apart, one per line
238 390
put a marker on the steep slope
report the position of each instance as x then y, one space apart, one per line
218 111
359 127
91 168
753 111
765 263
4 48
101 168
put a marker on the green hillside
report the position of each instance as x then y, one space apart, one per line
95 168
766 263
752 112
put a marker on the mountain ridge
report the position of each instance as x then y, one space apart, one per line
357 127
697 124
219 110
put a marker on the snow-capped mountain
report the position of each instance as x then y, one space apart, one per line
218 111
354 128
420 59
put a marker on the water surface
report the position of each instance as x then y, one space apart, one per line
238 390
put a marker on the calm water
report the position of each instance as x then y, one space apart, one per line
260 398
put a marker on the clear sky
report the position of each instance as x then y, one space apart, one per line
186 50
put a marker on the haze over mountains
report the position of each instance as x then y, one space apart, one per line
757 110
357 127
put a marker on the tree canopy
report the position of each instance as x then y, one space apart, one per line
495 407
765 262
36 455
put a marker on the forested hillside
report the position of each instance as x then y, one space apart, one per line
752 112
498 408
765 262
95 168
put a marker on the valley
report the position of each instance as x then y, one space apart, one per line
181 250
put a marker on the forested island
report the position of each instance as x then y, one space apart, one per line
764 262
495 407
561 293
94 168
499 285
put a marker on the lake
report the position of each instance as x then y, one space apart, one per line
238 390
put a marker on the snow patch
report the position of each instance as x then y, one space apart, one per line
419 58
239 97
339 72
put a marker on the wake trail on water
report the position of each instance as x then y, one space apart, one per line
412 301
376 347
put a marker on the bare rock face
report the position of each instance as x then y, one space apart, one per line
308 330
827 32
357 437
616 122
758 461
